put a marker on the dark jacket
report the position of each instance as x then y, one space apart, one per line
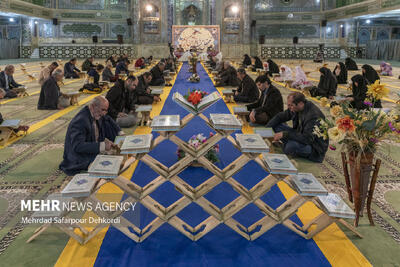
96 76
141 88
49 94
342 77
11 82
113 62
81 147
156 74
248 88
270 103
118 98
107 75
121 67
303 125
69 70
87 65
350 64
229 76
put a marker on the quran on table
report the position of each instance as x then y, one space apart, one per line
205 102
156 91
138 143
10 123
307 185
105 166
81 185
240 109
265 132
335 206
225 122
141 108
251 143
166 123
279 164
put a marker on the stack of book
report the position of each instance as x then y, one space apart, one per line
105 166
119 140
207 101
279 164
166 123
143 108
81 185
307 185
251 143
156 91
264 132
225 122
334 206
134 144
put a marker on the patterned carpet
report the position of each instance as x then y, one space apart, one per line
29 168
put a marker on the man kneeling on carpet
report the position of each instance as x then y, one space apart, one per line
122 98
50 94
247 91
300 141
268 105
7 81
143 91
89 133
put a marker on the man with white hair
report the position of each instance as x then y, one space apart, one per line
46 72
228 75
89 133
50 95
7 81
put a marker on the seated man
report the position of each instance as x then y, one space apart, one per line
268 105
95 74
89 134
70 70
120 97
143 92
107 74
50 95
140 63
121 68
157 74
247 91
169 64
46 72
7 81
113 60
300 141
88 64
125 58
228 75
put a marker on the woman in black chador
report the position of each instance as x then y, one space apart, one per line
272 67
350 64
327 85
257 63
359 89
340 72
246 61
369 73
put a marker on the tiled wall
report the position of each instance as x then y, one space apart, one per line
304 52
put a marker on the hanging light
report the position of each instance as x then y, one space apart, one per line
149 8
11 19
235 9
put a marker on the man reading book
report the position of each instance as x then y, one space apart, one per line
247 91
88 134
300 141
268 105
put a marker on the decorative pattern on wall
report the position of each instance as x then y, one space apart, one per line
81 51
81 4
117 29
81 29
286 5
26 51
289 30
299 52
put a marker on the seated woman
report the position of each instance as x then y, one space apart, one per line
340 72
246 61
350 64
300 80
50 95
285 74
327 85
256 63
369 73
319 57
359 90
140 63
272 67
386 69
108 75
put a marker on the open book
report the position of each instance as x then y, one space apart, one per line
207 101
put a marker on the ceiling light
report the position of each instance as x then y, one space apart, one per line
341 25
36 22
235 9
368 21
290 15
149 8
11 19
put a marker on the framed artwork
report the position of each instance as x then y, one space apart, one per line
199 37
151 19
231 25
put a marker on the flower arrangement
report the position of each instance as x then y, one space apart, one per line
193 62
196 141
194 78
359 131
194 96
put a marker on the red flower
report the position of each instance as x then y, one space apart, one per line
346 124
195 98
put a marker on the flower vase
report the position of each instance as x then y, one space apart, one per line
360 186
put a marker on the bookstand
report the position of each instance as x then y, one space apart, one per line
7 133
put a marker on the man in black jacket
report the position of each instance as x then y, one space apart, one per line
70 69
227 76
300 141
50 95
121 108
247 91
143 91
7 81
268 105
157 72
